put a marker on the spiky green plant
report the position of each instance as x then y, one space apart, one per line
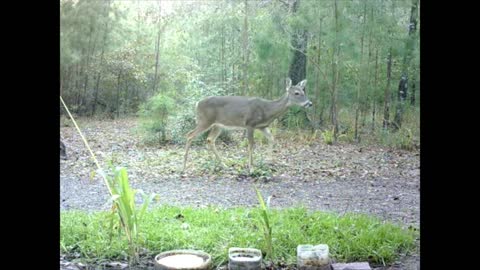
123 197
266 225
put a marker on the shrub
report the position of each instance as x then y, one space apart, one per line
328 137
154 117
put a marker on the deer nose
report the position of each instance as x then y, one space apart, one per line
308 104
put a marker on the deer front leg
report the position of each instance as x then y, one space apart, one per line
187 147
250 148
266 132
190 136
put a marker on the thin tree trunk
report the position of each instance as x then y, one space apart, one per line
336 74
375 89
317 75
126 98
222 57
99 74
370 95
245 49
359 89
78 75
386 103
232 43
412 95
157 49
85 72
66 79
118 94
90 50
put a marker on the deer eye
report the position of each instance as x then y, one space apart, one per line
297 93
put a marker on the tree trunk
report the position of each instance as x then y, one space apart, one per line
403 84
375 89
386 103
126 99
336 60
233 43
245 49
118 94
412 95
90 50
298 67
360 81
78 75
157 49
317 76
222 57
99 74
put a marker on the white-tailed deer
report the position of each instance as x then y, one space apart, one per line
249 113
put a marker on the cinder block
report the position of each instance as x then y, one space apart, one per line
351 266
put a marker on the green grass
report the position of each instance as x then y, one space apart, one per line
350 237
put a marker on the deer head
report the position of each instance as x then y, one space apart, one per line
297 94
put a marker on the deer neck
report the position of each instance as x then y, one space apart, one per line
278 107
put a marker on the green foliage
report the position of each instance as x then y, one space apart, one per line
351 237
401 139
347 135
267 228
123 197
295 118
327 136
155 116
260 169
109 50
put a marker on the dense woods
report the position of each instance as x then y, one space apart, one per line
155 59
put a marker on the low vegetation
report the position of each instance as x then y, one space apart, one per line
214 230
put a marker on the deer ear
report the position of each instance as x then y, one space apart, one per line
289 83
302 84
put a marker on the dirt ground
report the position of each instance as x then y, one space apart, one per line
304 172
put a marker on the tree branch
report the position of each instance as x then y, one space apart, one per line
285 3
263 3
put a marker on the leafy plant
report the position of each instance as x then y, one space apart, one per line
328 137
155 115
265 221
129 214
260 169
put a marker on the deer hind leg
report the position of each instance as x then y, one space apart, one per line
190 136
250 148
212 137
269 136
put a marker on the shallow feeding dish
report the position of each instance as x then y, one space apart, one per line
311 257
244 259
183 259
